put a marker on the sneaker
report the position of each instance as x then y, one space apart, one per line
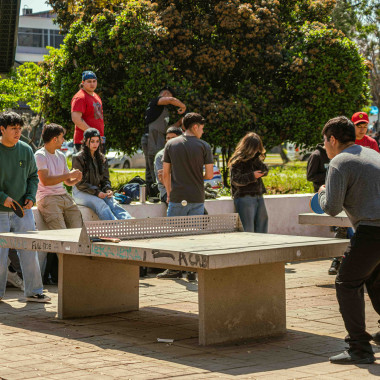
15 280
349 357
38 298
334 266
376 338
191 276
169 273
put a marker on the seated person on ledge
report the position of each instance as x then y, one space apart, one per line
94 190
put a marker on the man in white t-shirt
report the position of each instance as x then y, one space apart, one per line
55 205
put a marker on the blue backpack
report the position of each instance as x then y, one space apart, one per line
131 190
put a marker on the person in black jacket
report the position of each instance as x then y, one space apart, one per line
317 165
94 190
246 169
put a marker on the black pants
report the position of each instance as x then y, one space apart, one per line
360 266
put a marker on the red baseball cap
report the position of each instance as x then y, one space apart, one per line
360 117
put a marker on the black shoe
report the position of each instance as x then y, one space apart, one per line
170 274
334 268
191 276
348 357
376 338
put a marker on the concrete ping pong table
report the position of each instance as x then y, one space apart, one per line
241 276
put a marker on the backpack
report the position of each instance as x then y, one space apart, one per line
131 190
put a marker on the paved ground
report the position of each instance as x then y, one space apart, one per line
34 344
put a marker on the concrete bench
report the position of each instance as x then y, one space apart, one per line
241 276
283 211
341 220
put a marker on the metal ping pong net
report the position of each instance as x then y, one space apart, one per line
161 227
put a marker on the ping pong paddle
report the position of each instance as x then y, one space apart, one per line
17 209
314 204
95 239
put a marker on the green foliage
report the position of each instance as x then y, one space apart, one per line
21 84
273 66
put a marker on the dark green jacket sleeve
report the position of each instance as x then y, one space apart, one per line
32 180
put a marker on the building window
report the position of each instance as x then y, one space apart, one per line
39 37
31 37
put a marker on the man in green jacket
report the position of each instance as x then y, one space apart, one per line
18 181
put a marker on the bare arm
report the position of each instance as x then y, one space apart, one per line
167 179
209 171
51 180
164 101
76 117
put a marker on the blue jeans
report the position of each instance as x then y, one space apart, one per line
106 209
9 222
253 213
176 209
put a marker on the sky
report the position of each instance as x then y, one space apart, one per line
36 5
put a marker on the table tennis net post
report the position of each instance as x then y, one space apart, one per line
161 227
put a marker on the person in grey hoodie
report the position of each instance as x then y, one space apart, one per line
353 185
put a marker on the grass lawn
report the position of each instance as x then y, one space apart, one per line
281 179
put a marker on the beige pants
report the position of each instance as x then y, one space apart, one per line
59 212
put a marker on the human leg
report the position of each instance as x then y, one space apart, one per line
95 203
71 213
51 209
359 266
4 227
28 259
148 176
117 210
261 216
246 208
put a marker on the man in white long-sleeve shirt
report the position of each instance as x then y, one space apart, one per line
353 185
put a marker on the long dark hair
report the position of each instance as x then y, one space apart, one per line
249 147
99 156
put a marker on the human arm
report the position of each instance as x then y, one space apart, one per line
76 117
209 171
105 183
167 179
331 196
164 101
32 182
82 185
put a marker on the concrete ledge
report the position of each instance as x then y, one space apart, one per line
283 211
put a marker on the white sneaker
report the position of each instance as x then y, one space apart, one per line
15 280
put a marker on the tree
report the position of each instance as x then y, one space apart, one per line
277 67
21 85
360 20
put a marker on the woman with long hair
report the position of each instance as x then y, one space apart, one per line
246 169
94 190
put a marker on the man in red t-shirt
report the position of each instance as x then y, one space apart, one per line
87 109
361 121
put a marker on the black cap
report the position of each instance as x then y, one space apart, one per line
90 132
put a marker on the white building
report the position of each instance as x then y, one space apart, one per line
36 31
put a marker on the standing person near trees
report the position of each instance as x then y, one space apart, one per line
87 109
246 169
361 121
18 182
94 190
156 123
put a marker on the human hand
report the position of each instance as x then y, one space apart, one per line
109 193
258 173
28 204
102 195
75 174
8 203
181 109
323 187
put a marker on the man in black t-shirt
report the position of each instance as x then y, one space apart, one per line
156 122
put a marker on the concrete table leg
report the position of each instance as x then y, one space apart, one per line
241 303
92 286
